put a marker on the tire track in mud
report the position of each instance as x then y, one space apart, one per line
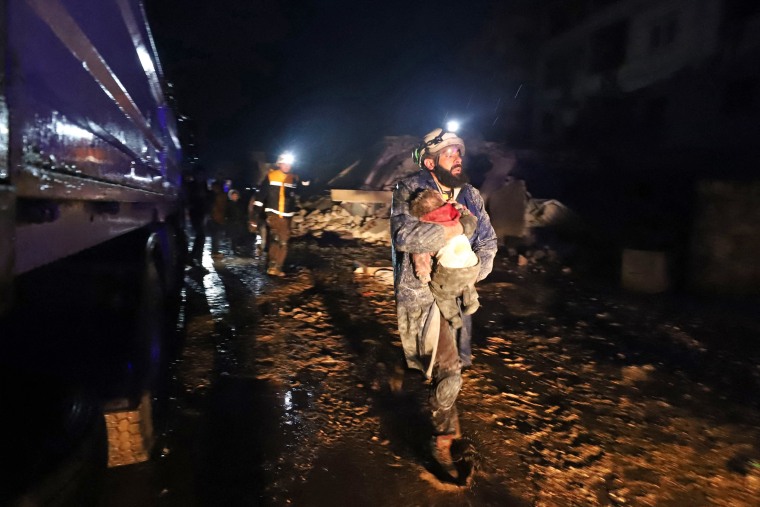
622 427
569 400
308 346
363 435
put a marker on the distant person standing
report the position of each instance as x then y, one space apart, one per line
278 198
257 220
218 217
236 222
197 199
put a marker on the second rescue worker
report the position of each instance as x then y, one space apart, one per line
277 196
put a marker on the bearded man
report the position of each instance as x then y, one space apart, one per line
430 342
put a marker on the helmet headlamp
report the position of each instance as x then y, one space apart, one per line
286 158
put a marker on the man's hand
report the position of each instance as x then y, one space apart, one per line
449 231
469 224
461 208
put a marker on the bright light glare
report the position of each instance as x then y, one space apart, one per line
145 60
287 158
452 126
72 131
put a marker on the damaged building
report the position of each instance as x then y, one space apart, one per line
640 116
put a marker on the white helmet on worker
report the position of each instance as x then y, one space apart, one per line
435 142
286 158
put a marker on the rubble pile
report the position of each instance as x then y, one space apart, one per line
537 258
521 222
369 223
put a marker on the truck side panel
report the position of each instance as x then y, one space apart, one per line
93 143
91 242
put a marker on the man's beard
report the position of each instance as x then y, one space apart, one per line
449 180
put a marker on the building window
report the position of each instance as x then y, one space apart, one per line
664 32
654 115
603 3
565 15
740 96
547 124
608 47
739 10
560 69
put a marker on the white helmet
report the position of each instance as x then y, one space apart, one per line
286 158
435 142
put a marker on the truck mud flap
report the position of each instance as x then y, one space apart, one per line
131 434
130 419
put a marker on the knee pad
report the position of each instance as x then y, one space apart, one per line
447 390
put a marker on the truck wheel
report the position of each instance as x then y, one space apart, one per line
56 452
133 421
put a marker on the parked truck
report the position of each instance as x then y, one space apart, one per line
91 243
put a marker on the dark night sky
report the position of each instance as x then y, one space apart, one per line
321 77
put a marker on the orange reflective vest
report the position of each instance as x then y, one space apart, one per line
278 193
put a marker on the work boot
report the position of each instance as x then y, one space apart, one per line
440 448
274 271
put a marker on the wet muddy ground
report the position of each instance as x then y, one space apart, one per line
292 392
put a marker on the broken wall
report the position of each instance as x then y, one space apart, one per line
726 237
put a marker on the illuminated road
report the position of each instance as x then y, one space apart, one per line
291 392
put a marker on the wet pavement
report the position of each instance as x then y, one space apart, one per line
291 391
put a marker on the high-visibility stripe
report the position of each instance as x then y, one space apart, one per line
279 212
278 178
282 184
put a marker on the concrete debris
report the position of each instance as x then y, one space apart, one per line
631 374
367 222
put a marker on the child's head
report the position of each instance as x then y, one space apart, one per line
233 195
425 201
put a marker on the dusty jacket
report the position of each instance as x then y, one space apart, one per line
409 235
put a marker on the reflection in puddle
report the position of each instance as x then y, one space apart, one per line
295 402
215 293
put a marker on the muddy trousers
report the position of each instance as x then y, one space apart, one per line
278 232
446 383
216 231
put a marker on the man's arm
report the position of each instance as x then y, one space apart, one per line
256 203
484 242
408 233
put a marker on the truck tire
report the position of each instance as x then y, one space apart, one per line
57 452
102 316
133 420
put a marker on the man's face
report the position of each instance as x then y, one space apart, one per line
451 160
449 169
282 166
